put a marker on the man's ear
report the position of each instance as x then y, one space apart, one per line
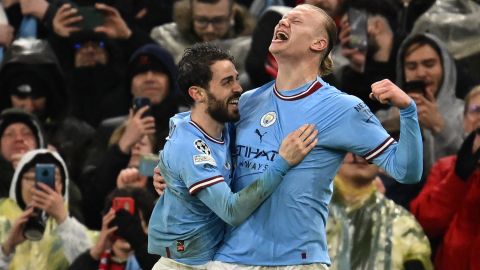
197 94
319 44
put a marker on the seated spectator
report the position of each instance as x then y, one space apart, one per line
423 57
365 230
220 21
63 238
122 243
447 207
20 132
31 79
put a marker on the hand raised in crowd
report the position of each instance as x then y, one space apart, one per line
6 35
136 128
114 26
130 228
468 156
50 201
298 144
429 115
105 238
159 182
15 236
64 19
356 57
36 8
387 92
7 3
131 177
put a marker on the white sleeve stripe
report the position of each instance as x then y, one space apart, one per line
379 149
204 183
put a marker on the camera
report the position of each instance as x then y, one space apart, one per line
35 226
91 18
417 86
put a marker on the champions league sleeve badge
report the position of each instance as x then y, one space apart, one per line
202 147
268 119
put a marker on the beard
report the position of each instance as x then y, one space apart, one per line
218 109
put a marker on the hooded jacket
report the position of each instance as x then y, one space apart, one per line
447 141
61 243
179 35
8 117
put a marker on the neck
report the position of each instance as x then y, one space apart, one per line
353 193
211 126
293 73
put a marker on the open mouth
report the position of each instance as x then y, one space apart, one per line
281 36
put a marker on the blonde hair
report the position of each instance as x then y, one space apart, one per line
473 93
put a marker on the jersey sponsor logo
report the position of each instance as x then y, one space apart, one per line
363 109
260 134
204 159
254 158
268 119
202 147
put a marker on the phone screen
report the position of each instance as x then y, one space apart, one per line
357 19
45 173
147 164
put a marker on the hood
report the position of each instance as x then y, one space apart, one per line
27 161
36 58
446 92
13 115
244 23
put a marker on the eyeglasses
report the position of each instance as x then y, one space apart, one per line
218 21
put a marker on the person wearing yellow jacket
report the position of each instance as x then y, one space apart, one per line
63 239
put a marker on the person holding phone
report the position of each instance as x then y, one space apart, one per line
63 238
122 243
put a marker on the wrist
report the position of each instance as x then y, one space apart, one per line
95 253
40 11
61 217
7 248
124 147
126 34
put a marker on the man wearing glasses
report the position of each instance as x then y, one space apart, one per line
221 21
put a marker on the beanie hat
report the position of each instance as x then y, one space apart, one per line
14 115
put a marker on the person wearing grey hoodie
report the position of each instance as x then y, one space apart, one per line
63 238
423 57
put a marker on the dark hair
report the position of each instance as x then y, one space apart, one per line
212 2
416 42
194 67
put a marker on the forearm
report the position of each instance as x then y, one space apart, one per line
405 159
74 238
234 208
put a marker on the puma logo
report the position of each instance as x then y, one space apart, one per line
260 134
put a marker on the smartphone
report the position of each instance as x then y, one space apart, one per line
417 86
45 173
140 102
148 162
357 19
126 203
91 17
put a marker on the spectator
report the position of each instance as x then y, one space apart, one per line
20 132
377 61
447 206
424 57
221 21
64 237
31 79
365 230
122 242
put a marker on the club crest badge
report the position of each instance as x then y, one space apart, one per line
268 119
202 147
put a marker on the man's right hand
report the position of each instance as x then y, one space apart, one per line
296 146
104 240
467 157
114 26
15 236
136 128
65 16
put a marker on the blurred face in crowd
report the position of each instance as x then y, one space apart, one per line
28 184
471 119
211 21
330 6
423 63
151 84
357 169
224 92
35 105
17 138
144 146
90 54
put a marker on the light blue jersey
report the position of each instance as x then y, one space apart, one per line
187 223
289 227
